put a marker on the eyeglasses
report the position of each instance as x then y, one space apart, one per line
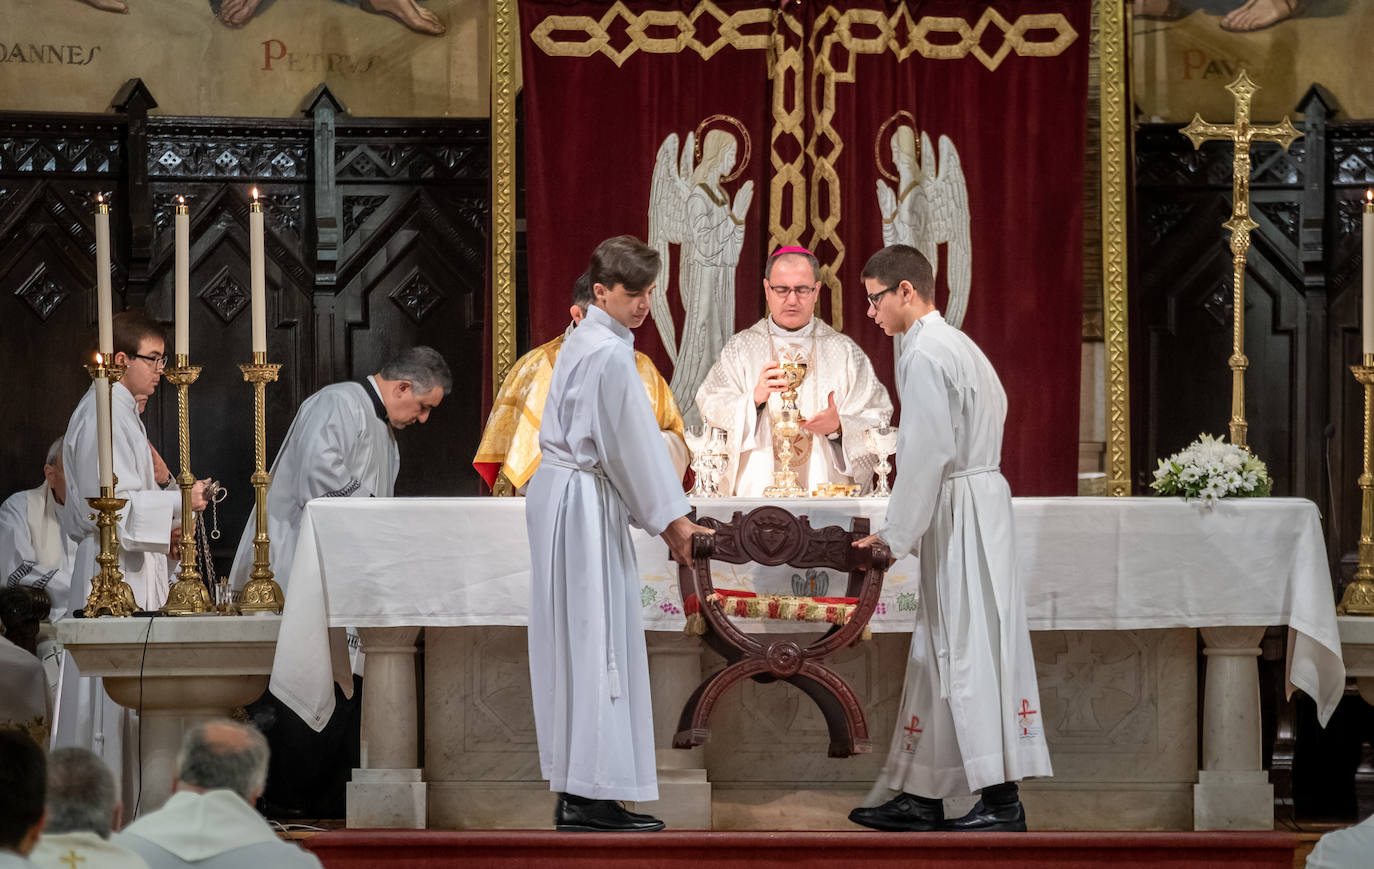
158 362
874 297
804 292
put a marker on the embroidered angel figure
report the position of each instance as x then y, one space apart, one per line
689 207
930 208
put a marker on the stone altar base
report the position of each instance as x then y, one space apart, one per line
1120 711
357 849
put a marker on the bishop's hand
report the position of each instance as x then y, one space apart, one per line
771 380
678 536
826 421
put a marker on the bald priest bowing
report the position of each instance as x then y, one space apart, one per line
342 445
839 399
508 455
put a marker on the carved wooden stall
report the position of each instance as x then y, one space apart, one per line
376 238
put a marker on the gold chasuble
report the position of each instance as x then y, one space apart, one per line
509 452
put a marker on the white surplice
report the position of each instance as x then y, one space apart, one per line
338 446
834 363
970 714
604 468
33 550
86 717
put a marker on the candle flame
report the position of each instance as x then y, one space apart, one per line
255 194
99 198
1369 195
181 200
99 360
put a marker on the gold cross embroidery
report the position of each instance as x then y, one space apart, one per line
72 859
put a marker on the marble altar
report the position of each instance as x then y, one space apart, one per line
1117 589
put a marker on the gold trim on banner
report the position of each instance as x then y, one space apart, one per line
1115 149
825 145
504 36
598 37
786 69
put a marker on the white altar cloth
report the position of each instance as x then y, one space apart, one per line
1088 564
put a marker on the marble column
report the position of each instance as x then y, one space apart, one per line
1233 790
388 790
684 794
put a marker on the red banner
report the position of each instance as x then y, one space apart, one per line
952 126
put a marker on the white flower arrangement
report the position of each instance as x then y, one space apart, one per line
1209 468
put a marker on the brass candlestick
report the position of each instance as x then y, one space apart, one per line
1358 599
261 593
787 428
188 594
110 594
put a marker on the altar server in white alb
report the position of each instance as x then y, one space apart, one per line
33 550
604 467
86 717
342 444
970 716
35 553
839 399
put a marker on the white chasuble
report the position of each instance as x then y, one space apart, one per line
834 364
604 468
970 714
340 445
86 717
33 549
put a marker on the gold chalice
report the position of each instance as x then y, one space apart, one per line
786 430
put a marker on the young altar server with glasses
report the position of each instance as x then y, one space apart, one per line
604 467
970 713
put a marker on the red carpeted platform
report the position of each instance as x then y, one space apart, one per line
420 849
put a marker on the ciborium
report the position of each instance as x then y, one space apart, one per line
786 431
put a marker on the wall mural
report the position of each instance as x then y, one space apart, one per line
254 58
1184 53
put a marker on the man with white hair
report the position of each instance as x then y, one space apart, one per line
209 822
33 549
83 809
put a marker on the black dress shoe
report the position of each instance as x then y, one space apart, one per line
998 811
576 814
904 813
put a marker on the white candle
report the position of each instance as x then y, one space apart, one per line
183 279
1367 308
103 305
103 427
257 275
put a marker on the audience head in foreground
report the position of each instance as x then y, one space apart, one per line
23 787
209 821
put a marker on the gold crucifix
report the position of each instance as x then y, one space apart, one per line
1242 133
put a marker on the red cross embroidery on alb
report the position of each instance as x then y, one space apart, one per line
913 731
1025 715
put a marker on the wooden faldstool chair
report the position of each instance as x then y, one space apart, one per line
772 536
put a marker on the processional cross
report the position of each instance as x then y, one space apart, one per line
1242 133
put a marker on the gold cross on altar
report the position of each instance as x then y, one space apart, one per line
71 859
1241 133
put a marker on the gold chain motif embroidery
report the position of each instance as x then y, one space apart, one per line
585 36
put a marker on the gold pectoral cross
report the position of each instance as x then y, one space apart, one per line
72 859
1242 133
